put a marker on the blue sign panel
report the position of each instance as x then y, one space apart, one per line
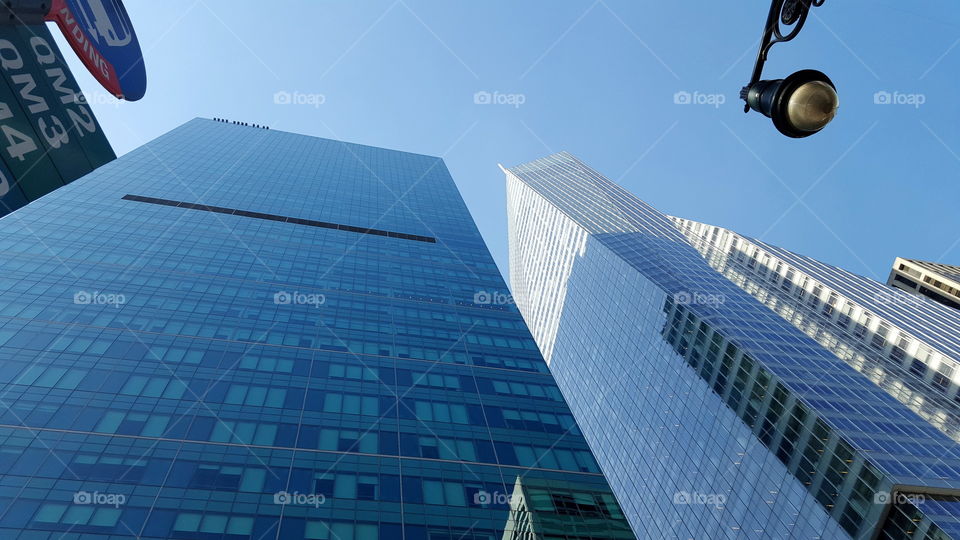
100 32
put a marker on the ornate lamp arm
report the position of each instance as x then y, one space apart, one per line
791 13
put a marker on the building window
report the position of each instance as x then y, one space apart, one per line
908 282
879 339
941 381
911 271
918 368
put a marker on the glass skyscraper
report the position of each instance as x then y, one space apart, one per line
906 344
239 333
728 388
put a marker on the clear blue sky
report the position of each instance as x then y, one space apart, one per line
598 80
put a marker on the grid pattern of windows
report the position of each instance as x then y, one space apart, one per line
896 352
721 379
844 483
204 375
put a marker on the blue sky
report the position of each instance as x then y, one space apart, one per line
598 79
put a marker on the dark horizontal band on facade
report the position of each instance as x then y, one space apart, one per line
467 464
283 219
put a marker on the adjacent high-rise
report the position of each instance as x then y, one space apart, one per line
907 345
938 281
728 388
238 333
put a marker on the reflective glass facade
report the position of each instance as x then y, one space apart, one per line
713 413
906 344
237 333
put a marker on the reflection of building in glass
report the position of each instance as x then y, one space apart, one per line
941 282
730 388
247 334
549 510
905 344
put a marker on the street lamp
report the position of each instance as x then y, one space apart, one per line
803 103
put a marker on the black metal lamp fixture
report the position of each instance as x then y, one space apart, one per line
803 103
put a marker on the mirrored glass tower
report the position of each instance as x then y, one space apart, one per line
730 389
238 333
